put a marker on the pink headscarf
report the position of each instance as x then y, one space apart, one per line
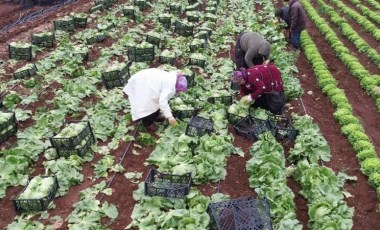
239 74
181 84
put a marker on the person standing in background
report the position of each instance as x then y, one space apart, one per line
297 21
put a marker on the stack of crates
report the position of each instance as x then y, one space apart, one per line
79 144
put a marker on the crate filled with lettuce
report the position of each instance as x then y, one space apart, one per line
165 19
116 75
167 185
197 59
182 109
75 138
175 8
282 128
8 124
38 193
203 33
65 24
190 75
211 9
45 39
167 57
154 38
240 213
129 12
199 126
237 111
141 4
193 16
251 127
219 96
96 38
20 51
97 7
193 7
142 52
197 44
80 19
26 71
103 26
184 28
210 17
81 51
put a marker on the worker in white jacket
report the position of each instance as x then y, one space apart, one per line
149 91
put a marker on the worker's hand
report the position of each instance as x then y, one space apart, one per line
246 99
266 62
172 121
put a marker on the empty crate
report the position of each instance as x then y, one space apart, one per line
199 126
167 185
251 127
282 129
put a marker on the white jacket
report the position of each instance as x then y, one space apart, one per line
149 90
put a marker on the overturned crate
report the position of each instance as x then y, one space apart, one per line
43 39
27 202
117 75
8 124
242 213
137 54
167 185
27 71
251 127
20 51
76 138
183 29
199 126
282 128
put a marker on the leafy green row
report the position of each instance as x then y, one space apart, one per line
363 21
320 186
268 176
375 17
370 83
350 33
350 124
374 4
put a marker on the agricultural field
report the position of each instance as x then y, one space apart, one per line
327 178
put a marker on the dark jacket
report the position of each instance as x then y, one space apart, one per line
285 15
262 79
297 16
253 44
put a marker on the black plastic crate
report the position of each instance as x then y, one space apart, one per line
96 39
190 79
175 9
210 17
199 126
153 40
203 34
195 47
183 29
71 143
19 53
167 60
282 128
140 54
251 127
233 118
211 10
35 205
81 151
193 7
226 100
192 1
116 78
27 72
106 3
166 21
80 21
67 25
193 18
197 62
46 40
8 127
234 86
242 213
182 114
167 185
129 12
141 4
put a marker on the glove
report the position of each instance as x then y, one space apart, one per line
247 99
172 121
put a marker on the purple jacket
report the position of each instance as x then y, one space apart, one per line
297 16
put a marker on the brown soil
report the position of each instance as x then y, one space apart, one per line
236 183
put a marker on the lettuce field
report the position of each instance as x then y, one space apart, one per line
72 158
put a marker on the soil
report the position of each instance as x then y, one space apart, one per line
236 182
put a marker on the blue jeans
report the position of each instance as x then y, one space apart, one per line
296 39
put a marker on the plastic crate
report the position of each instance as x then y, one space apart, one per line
233 118
43 41
211 10
226 100
36 205
175 9
80 22
78 151
140 54
197 62
183 29
116 78
199 126
20 53
195 47
26 72
192 1
96 39
190 79
193 18
96 8
234 86
251 127
106 3
9 127
153 40
167 60
211 18
182 114
167 185
241 214
282 128
193 7
141 4
130 13
203 34
64 25
70 145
